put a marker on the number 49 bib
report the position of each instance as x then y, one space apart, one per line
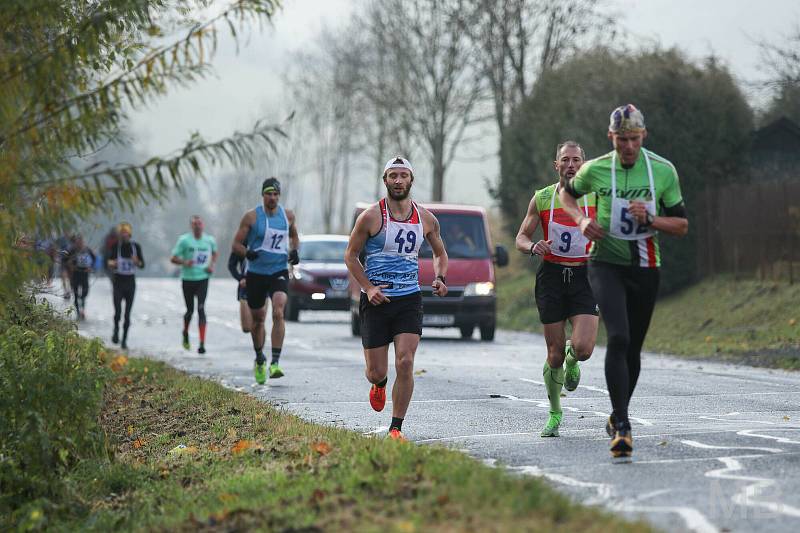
403 239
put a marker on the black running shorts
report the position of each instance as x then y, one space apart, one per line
563 292
380 323
259 286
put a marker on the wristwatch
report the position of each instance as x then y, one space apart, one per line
441 278
649 219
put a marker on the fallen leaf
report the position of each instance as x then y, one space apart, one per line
785 417
227 497
322 448
709 338
118 363
792 321
662 443
232 433
241 446
130 430
259 416
138 443
443 499
124 380
420 372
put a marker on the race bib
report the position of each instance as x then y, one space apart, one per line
84 261
403 239
275 241
201 257
624 225
125 265
568 241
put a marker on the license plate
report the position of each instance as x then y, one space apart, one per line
438 320
334 293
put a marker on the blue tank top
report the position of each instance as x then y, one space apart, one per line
392 254
270 237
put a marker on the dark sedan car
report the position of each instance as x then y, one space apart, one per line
320 281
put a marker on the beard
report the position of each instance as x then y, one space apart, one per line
397 196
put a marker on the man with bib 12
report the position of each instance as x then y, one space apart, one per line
271 238
562 284
638 196
196 253
390 233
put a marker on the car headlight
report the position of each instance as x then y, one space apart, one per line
479 289
302 275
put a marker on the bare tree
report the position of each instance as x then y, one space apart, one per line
424 81
517 40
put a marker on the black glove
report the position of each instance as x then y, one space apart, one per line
293 257
251 255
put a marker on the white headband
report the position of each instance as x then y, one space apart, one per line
398 162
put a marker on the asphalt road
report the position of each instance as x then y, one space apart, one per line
717 447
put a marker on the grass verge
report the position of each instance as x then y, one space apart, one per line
248 466
741 321
93 441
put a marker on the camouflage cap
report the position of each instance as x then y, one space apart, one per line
626 118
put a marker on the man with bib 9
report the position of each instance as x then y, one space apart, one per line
562 285
638 195
390 233
196 253
271 239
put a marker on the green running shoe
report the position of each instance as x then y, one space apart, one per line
186 345
261 373
275 371
572 373
551 428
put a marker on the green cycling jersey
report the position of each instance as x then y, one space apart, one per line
631 184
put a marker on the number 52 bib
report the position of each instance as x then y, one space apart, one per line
624 225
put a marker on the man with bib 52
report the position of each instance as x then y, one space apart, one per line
390 233
269 230
562 285
196 252
638 196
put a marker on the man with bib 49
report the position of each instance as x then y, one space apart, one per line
562 285
390 233
269 231
638 196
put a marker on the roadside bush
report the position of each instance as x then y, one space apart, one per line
51 385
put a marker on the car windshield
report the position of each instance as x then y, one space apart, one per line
327 251
463 235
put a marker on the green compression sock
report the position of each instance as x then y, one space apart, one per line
553 381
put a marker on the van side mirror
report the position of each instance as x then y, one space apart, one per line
500 255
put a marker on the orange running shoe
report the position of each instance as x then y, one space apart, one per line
395 434
377 397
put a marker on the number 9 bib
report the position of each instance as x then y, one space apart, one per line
568 241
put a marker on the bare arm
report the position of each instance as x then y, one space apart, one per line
294 237
524 242
440 260
589 227
241 234
358 238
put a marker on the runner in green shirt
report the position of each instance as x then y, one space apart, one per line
638 195
196 252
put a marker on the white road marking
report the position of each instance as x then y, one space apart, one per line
695 444
694 519
737 420
749 492
376 431
482 435
587 387
546 405
783 440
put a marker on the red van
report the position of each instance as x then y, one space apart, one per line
471 299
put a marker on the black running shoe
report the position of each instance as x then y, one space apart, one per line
115 336
201 349
622 441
